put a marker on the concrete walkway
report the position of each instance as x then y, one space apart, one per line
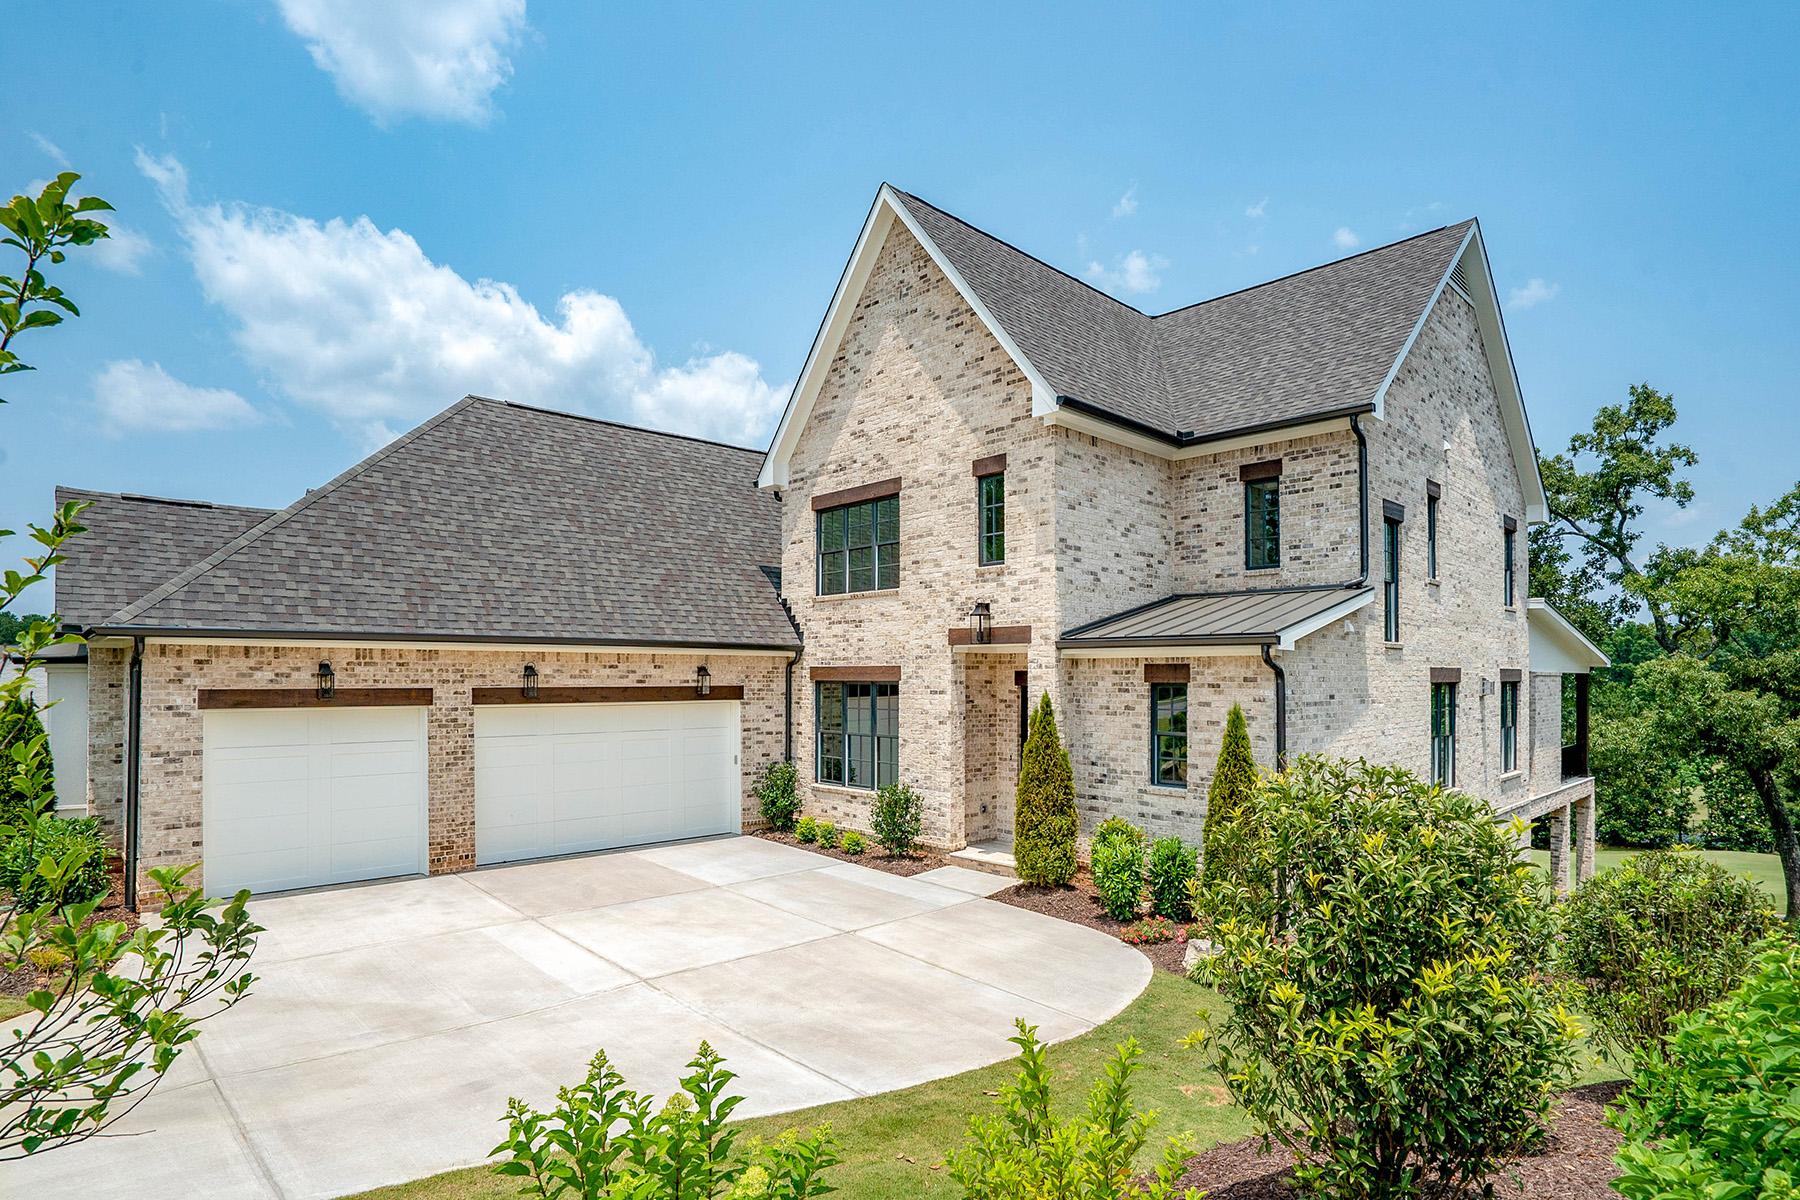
392 1021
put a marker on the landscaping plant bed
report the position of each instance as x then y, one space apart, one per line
1575 1161
918 862
1080 903
18 983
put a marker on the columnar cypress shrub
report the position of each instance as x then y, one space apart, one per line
19 724
1044 815
1234 782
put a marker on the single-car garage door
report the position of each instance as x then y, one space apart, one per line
300 797
561 778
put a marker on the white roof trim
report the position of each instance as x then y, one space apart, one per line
1099 427
312 642
1196 650
888 207
1472 255
1337 612
1549 626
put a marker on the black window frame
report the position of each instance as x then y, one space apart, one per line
1265 514
883 517
1431 532
990 504
1390 580
833 702
1509 725
1161 695
1509 569
1443 733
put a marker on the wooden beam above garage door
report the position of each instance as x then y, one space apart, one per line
604 695
309 698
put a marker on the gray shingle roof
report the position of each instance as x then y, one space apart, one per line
134 543
1315 343
1228 618
502 522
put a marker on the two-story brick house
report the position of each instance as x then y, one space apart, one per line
1308 498
516 633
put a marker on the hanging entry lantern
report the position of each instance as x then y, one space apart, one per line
981 624
327 682
702 681
531 682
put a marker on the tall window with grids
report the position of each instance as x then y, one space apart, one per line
859 547
1262 524
1168 734
1443 733
1390 579
1509 534
991 495
1509 725
858 733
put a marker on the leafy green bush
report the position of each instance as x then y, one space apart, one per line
1234 782
1116 827
896 818
1718 1117
853 842
1735 819
1660 935
807 830
56 839
776 795
1024 1151
1168 874
21 726
605 1140
1117 866
1387 1015
826 833
1044 821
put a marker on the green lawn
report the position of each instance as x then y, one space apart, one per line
1763 869
892 1142
12 1006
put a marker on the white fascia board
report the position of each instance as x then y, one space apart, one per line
887 208
1555 639
1337 612
1393 370
213 639
1068 418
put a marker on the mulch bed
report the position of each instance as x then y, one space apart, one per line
917 863
1575 1161
1080 903
29 978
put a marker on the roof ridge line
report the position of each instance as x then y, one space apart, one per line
137 608
1308 270
575 416
1027 254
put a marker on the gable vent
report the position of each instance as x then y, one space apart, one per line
1458 278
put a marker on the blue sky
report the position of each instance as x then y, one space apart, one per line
340 216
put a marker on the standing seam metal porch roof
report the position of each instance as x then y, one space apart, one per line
1246 618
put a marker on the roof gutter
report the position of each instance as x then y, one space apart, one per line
1183 440
1198 639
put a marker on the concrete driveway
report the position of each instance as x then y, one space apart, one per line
392 1021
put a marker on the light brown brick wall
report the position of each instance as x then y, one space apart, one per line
170 795
1545 742
106 739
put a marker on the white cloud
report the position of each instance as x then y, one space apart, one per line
122 249
1345 239
52 149
1134 272
1127 204
360 325
1255 211
138 397
1535 292
403 58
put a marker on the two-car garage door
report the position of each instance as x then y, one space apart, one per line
301 797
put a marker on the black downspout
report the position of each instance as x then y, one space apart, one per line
788 733
1362 496
134 725
1280 708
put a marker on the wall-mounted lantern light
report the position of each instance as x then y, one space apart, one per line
531 680
702 681
981 624
327 682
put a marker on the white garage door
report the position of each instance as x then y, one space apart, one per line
300 797
561 778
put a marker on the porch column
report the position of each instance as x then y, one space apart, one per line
1584 838
1559 849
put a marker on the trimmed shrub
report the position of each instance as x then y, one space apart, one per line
1716 1117
1022 1149
57 839
1169 875
1117 866
1115 827
1661 935
1044 821
896 818
776 795
1234 782
806 830
827 835
1387 1011
853 842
